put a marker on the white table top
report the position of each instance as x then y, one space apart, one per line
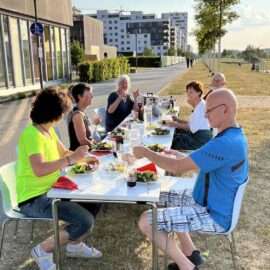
105 185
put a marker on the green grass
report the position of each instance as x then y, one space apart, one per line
241 80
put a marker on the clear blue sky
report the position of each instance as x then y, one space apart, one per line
253 26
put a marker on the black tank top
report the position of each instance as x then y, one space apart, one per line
74 142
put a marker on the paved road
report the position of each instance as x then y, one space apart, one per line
14 115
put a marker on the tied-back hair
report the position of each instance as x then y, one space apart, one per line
50 105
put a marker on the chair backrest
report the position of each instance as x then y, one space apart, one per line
237 205
101 112
8 187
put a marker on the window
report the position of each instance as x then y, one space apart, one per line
2 63
53 52
122 30
110 40
128 42
26 51
128 48
145 35
145 42
122 42
122 49
110 22
16 51
64 52
116 34
115 21
110 28
115 27
8 50
122 36
116 40
58 52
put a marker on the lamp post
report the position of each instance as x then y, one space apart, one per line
39 50
136 40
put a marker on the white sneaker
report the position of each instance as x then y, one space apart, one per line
43 259
81 250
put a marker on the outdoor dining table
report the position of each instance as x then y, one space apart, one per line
106 186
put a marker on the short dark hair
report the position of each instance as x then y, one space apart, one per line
78 90
49 106
197 86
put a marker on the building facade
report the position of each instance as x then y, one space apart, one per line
180 21
89 32
133 32
19 63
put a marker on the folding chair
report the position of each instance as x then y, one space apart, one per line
8 201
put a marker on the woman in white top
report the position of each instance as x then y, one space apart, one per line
195 132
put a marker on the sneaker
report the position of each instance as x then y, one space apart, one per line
81 250
195 258
43 259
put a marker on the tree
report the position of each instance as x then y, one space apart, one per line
148 52
180 52
212 16
171 51
252 54
77 53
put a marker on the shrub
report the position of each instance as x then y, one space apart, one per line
103 70
145 61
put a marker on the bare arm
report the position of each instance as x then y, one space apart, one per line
42 168
174 165
112 108
80 130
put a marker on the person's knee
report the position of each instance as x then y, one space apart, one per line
86 223
143 224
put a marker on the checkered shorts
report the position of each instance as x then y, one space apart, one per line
180 213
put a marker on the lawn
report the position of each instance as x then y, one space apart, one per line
241 80
116 232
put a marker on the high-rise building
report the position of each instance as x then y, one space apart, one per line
180 21
134 31
89 33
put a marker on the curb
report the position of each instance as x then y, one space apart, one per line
18 96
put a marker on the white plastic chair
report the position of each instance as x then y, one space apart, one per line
228 234
8 201
235 218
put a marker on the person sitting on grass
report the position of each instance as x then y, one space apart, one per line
223 167
120 104
41 156
192 134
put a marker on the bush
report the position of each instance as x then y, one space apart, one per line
144 61
103 70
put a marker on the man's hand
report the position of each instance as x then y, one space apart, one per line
172 124
136 94
139 152
171 152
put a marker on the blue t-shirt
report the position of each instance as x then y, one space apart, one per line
225 158
122 111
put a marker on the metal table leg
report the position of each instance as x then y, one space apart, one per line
154 230
56 234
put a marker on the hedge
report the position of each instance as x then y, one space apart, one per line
145 61
103 70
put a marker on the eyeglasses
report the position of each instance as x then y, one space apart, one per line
212 109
